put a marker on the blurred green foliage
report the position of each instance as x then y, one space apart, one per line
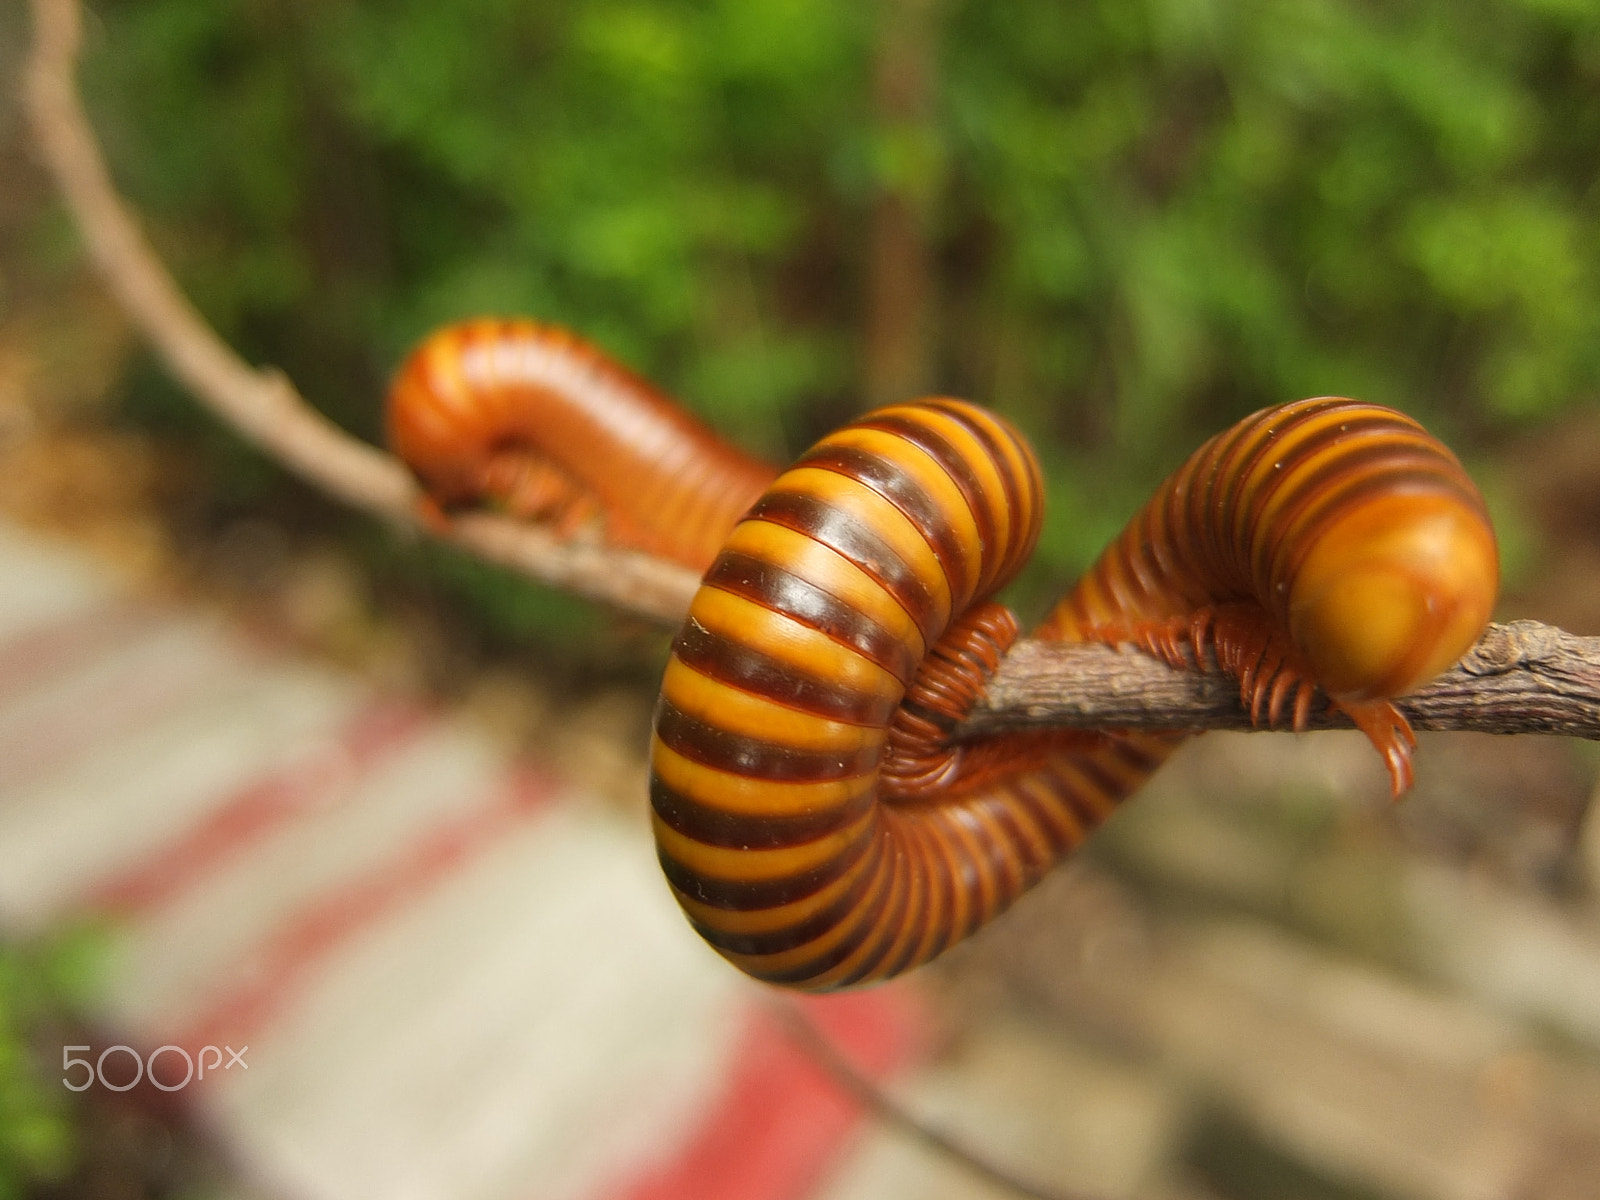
36 1130
1149 216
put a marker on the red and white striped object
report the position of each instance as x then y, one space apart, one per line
445 973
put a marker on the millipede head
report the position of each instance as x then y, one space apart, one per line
1395 591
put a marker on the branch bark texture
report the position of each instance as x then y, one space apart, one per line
1519 678
1523 677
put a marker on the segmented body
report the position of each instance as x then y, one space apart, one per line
814 818
1326 542
539 422
817 838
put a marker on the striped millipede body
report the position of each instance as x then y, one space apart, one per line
533 419
1325 543
813 823
814 818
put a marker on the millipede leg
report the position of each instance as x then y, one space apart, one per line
921 759
1390 734
919 756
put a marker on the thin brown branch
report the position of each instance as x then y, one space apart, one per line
891 1113
1521 678
1524 677
261 404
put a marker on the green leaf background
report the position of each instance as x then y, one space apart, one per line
1149 217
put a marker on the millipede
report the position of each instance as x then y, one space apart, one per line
531 419
814 816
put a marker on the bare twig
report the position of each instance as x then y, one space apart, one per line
1520 678
1524 677
262 405
886 1109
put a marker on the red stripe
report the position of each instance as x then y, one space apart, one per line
780 1122
136 693
256 809
37 652
287 959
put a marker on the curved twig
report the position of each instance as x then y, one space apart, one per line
821 1050
262 405
1520 678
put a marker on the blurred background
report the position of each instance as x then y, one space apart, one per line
1123 224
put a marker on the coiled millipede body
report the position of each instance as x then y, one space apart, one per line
1325 543
535 420
813 816
813 820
